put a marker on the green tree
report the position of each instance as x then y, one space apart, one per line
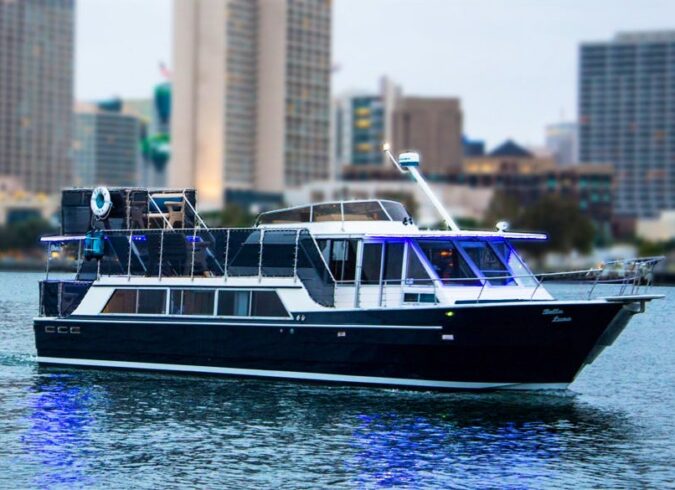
24 235
564 223
503 207
232 216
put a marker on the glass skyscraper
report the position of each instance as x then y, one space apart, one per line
627 117
36 92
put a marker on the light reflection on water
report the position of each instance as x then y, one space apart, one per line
87 428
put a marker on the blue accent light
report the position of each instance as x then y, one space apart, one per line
193 239
139 238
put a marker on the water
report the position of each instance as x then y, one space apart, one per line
67 428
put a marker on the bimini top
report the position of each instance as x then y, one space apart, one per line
338 211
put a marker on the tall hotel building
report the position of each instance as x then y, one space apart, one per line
36 92
251 96
627 117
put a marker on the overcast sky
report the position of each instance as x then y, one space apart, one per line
513 63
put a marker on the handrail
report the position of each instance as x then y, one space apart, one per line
630 282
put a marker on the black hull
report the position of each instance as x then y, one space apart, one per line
528 345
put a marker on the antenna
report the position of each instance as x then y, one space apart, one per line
409 162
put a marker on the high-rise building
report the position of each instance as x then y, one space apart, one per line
36 92
251 96
106 147
626 117
362 123
432 126
562 142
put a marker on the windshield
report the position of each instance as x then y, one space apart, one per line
448 263
487 262
468 262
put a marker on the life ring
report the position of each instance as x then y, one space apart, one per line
100 203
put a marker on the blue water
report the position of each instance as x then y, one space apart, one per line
64 428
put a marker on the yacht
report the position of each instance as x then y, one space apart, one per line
348 292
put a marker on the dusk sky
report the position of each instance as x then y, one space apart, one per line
513 64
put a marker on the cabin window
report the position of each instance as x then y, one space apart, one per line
419 298
192 302
233 303
416 274
267 303
152 301
297 215
364 211
395 210
340 255
487 261
327 212
515 264
448 263
122 301
372 263
393 262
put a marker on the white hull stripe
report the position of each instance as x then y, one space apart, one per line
424 383
166 320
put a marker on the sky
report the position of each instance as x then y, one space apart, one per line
512 63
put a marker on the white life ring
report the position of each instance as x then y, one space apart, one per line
100 203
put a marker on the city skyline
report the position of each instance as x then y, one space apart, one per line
502 96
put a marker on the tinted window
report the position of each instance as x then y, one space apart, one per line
244 253
372 263
487 261
393 262
327 212
395 210
278 254
152 301
233 303
267 303
448 263
191 302
416 272
340 255
364 211
298 215
515 265
121 301
196 302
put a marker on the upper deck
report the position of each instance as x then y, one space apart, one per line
367 218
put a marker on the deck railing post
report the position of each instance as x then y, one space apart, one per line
194 246
49 259
131 241
485 281
260 255
79 258
161 253
227 252
537 287
295 256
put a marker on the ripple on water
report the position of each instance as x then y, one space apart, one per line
84 428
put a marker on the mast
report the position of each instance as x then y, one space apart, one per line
408 163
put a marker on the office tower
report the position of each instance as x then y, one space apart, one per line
251 96
362 123
562 142
626 117
106 147
36 92
433 127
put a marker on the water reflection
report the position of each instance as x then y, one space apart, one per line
59 422
87 426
